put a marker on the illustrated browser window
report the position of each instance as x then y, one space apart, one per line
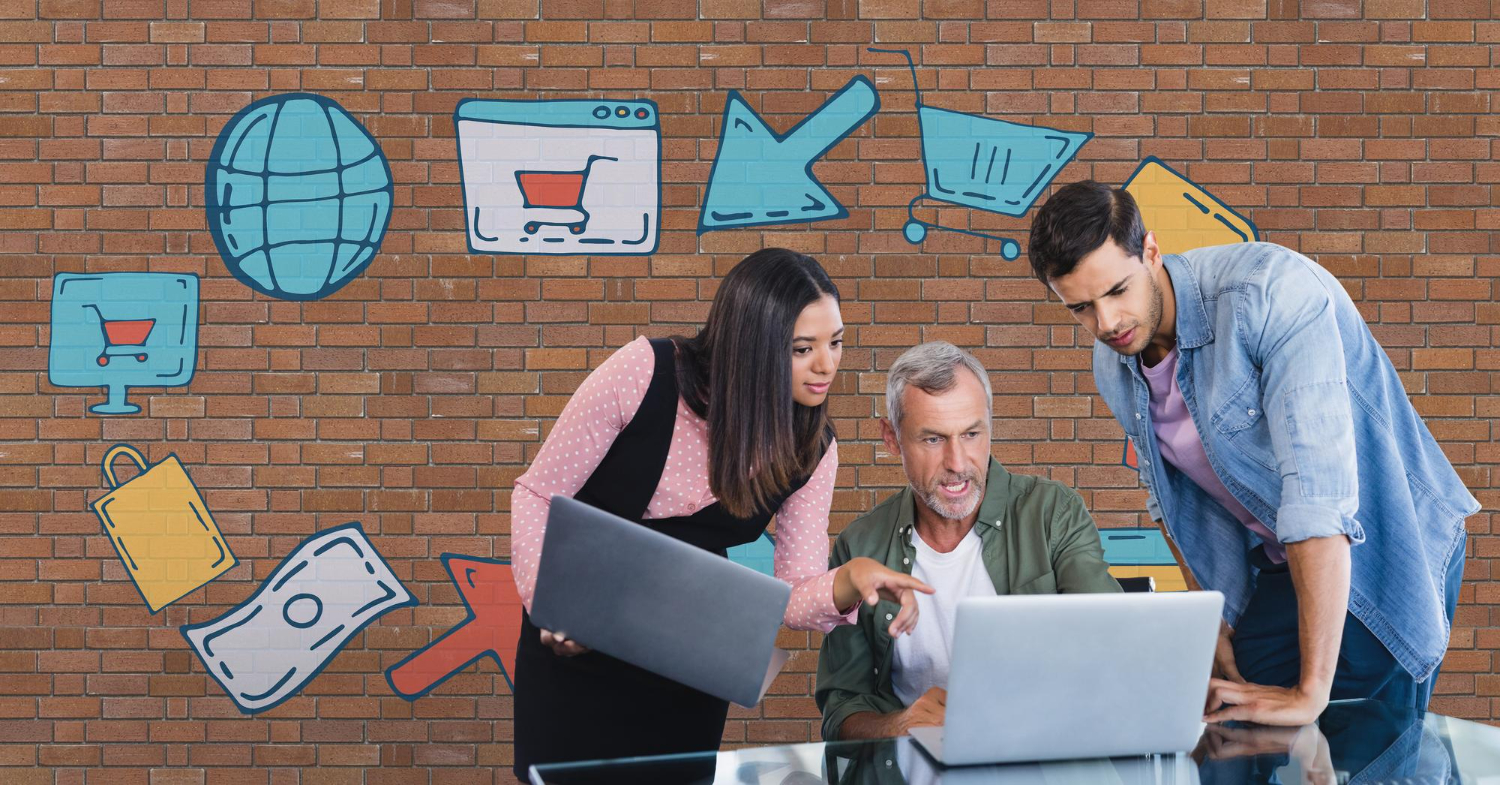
560 177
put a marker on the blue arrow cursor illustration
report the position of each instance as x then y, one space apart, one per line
760 177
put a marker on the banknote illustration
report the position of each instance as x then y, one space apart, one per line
322 594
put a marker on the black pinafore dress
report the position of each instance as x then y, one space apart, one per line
593 706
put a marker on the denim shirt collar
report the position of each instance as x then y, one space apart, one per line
1193 327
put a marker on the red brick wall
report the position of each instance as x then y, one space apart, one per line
1360 133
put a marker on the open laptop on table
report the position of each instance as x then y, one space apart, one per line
1076 676
659 603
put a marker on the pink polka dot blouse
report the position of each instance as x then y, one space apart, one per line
589 424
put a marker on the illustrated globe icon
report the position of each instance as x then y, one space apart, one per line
298 196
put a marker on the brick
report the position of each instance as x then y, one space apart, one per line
1360 132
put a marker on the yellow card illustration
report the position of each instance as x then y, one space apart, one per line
158 522
1181 213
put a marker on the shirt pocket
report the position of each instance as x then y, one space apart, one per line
1240 422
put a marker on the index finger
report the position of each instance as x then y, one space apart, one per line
899 581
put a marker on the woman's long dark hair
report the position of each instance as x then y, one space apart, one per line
737 374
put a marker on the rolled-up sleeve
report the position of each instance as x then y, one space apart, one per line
1305 394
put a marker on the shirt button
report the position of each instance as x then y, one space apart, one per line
1250 412
877 671
888 617
906 561
1138 415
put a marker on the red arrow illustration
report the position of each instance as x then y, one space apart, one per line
491 629
1130 458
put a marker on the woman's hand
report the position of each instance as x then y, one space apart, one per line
863 578
560 645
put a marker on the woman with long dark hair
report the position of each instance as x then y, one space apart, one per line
704 439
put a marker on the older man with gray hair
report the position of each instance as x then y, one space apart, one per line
965 526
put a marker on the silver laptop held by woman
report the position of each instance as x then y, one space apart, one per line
659 603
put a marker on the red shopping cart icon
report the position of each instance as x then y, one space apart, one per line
555 198
123 337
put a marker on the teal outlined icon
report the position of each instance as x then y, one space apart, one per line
983 163
761 177
298 196
123 330
759 554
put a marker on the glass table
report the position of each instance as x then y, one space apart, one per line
1354 742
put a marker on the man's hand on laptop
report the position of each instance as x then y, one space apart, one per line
863 578
560 645
1224 667
926 710
1231 700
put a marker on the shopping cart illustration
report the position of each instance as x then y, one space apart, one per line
123 337
986 164
553 198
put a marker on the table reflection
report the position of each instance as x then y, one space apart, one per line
1354 742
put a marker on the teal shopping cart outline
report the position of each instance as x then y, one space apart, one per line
916 229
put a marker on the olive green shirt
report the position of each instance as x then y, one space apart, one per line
1036 538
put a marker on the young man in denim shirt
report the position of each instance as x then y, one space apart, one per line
1273 435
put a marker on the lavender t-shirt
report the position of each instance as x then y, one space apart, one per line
1180 445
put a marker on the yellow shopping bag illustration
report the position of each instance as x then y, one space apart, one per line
158 522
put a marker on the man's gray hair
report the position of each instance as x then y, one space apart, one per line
930 367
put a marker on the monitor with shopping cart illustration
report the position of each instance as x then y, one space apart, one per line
123 330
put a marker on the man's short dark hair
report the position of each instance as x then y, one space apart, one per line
1076 221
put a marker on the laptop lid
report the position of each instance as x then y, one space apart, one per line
659 603
1079 676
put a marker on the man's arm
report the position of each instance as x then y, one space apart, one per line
872 725
847 683
1320 575
1224 664
926 710
1306 402
1077 554
1187 574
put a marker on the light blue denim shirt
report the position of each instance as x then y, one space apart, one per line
1304 419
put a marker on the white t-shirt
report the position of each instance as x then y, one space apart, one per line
921 658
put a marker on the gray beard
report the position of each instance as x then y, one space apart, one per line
947 512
